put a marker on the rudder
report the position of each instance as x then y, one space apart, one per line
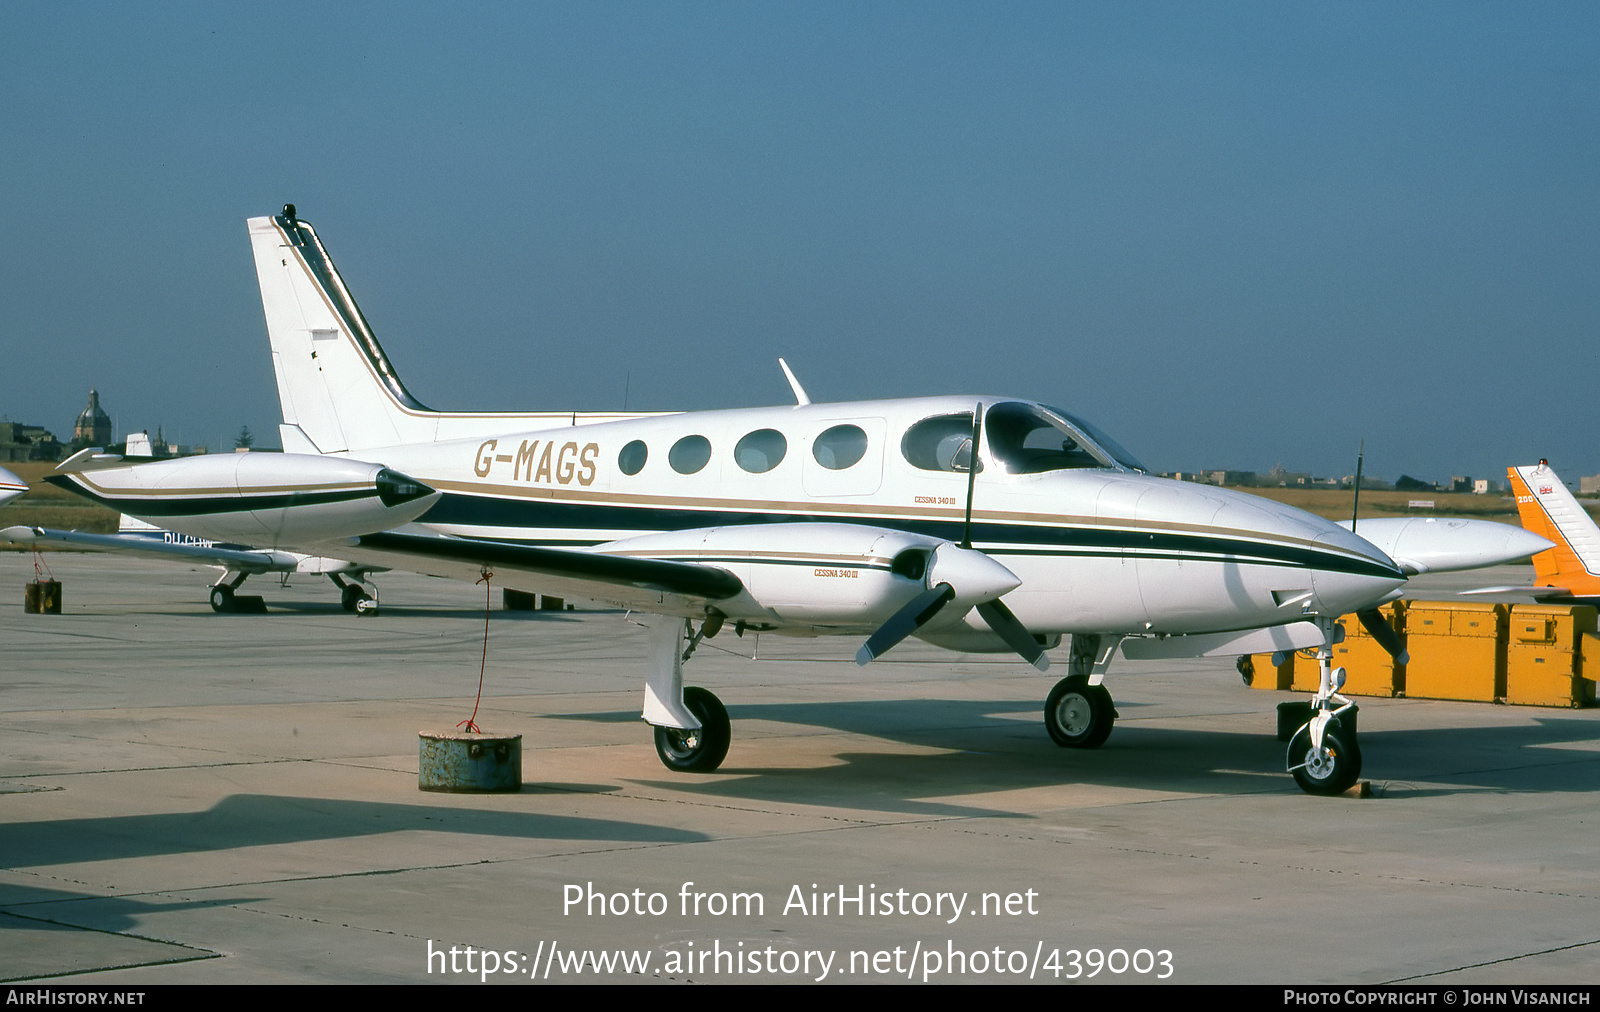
336 387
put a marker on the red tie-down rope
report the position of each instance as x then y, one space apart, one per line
470 723
38 561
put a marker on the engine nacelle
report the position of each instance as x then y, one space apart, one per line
269 500
1442 545
842 576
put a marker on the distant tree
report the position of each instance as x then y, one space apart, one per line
244 440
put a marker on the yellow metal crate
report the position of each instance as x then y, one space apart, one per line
1368 668
1544 658
1458 650
1265 676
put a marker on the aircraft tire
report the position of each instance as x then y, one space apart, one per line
699 751
1077 714
221 599
366 605
1335 772
349 594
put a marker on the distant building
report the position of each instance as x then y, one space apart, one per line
1480 486
1461 483
94 425
1589 485
27 442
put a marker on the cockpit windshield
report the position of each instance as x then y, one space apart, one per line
1033 438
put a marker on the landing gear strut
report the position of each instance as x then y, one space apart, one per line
1079 712
691 725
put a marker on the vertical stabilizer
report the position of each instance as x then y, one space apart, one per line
1548 508
335 384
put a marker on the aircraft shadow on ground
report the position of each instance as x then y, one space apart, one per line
28 907
252 820
992 751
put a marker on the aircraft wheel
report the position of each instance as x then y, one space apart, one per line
366 605
221 599
1077 714
699 751
1333 771
349 594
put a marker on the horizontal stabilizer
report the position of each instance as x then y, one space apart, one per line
93 458
1540 593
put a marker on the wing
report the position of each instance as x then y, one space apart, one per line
645 584
241 559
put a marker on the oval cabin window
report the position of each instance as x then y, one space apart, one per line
689 454
840 447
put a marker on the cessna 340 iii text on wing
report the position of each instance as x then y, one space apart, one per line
975 523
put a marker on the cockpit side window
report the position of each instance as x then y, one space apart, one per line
940 443
1031 439
1108 445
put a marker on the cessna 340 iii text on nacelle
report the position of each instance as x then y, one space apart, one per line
975 523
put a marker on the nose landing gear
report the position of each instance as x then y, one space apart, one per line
1324 757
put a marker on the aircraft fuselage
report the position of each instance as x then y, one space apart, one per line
1098 546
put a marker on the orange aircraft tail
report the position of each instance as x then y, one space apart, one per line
1549 509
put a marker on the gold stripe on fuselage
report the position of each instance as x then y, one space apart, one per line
824 509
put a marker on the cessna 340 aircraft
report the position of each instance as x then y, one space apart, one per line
976 523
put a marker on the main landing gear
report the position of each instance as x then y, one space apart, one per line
691 725
354 597
1079 713
223 598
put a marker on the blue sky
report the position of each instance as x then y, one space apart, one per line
1231 234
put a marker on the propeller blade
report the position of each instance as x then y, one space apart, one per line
905 622
1373 621
1009 628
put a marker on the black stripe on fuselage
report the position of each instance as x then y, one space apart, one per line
464 510
199 506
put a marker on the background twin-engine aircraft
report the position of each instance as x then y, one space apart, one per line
977 523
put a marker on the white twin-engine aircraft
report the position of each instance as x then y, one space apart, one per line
975 523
